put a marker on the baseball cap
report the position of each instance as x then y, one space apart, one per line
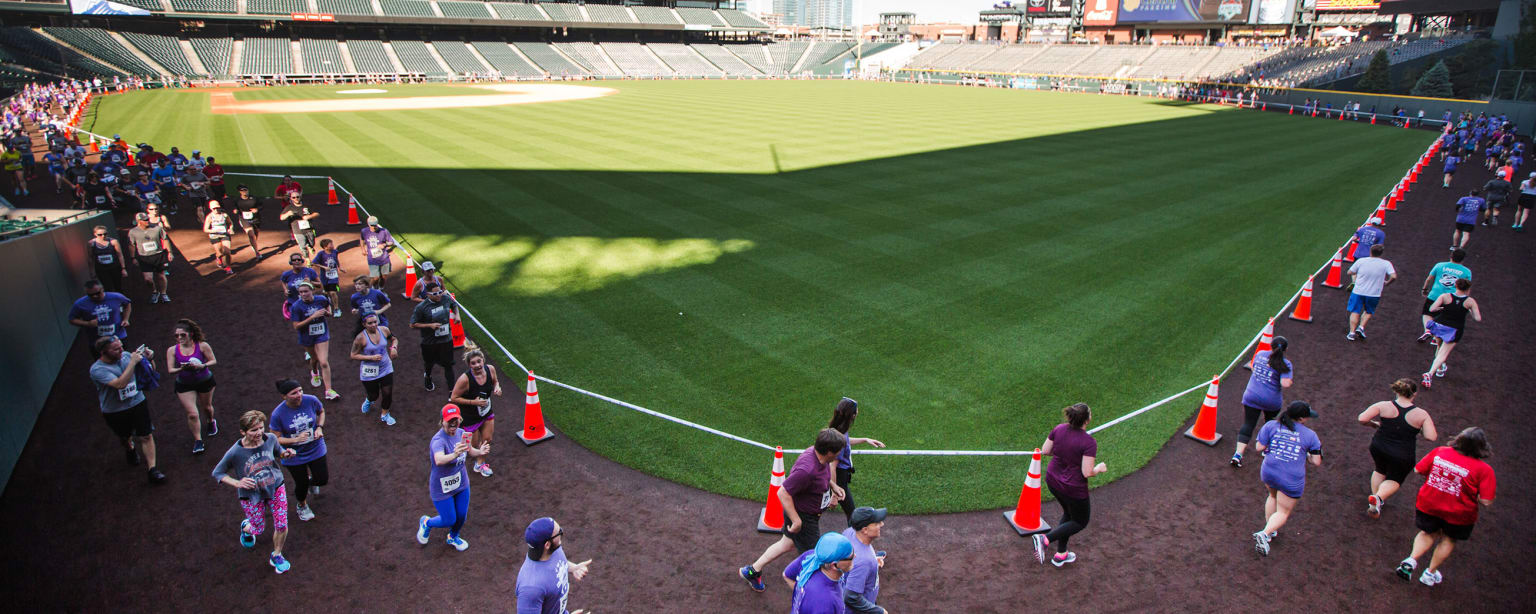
426 265
373 220
1375 221
539 531
451 411
865 516
141 216
1300 409
213 204
1501 173
197 151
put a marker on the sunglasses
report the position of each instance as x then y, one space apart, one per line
101 234
181 334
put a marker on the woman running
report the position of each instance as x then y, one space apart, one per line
367 299
842 420
376 348
472 393
1450 325
1263 396
1072 451
250 466
448 483
218 225
107 258
1288 445
190 360
308 313
1456 483
1451 160
299 422
1398 424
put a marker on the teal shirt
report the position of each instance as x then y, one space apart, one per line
1444 277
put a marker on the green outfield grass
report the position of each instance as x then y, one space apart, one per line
964 262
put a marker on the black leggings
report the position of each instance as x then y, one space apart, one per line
844 476
312 473
382 387
1251 420
438 354
1074 518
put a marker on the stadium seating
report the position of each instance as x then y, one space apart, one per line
590 58
276 7
740 19
606 13
99 43
1230 63
563 12
38 52
655 14
458 57
518 11
215 54
322 56
700 17
785 55
468 10
683 61
1054 59
1175 62
203 6
549 60
635 60
148 5
407 8
164 50
504 60
1111 60
345 7
823 52
369 57
267 56
727 61
753 54
414 57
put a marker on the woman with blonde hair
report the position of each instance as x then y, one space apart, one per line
472 393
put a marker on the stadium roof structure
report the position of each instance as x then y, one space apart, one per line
1436 7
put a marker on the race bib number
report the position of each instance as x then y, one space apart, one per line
100 200
216 178
129 391
826 499
106 330
149 247
452 482
104 258
370 371
316 329
375 252
153 197
305 435
332 274
216 229
486 409
441 330
303 224
250 215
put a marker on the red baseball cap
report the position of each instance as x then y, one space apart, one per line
451 411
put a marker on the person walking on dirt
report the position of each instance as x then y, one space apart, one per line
100 313
250 466
299 423
190 360
1369 276
249 209
431 318
842 420
1272 373
378 244
1072 451
1288 446
1399 424
1441 281
1456 482
544 580
123 405
448 483
861 585
375 347
1468 209
301 221
218 225
1524 203
807 490
472 393
1450 325
817 576
328 263
152 252
107 259
307 314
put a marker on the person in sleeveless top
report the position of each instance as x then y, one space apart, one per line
107 258
218 225
189 360
1398 423
1450 326
376 347
472 393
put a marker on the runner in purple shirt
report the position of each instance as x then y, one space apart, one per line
817 576
807 490
377 244
544 581
299 423
1368 235
1288 446
448 483
1072 451
1272 374
1469 209
307 315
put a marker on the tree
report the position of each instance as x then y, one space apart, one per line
1473 69
1525 39
1435 83
1378 76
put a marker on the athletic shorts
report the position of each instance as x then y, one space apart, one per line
1465 227
201 387
1362 304
810 532
329 286
218 239
153 264
1495 202
1430 523
1445 333
379 270
304 239
1393 467
131 422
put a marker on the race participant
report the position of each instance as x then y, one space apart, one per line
1457 482
249 208
842 420
157 219
368 300
196 162
1468 209
22 143
1497 191
1449 327
428 276
1288 445
178 161
56 165
1442 280
286 188
218 225
1264 396
1072 452
861 585
152 252
300 220
123 405
190 361
1367 236
1368 277
215 173
328 264
817 576
96 195
145 190
308 313
195 184
1523 205
378 243
1451 161
544 580
11 159
807 490
431 317
250 466
101 313
296 274
165 177
108 170
376 348
472 393
448 483
1398 424
107 259
75 175
299 423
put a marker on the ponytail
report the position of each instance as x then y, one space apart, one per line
1277 355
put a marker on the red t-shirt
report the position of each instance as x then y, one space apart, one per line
284 188
1452 485
151 159
215 174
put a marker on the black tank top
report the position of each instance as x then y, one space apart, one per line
1454 314
1396 436
103 255
473 414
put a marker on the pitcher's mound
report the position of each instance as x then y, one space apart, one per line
510 93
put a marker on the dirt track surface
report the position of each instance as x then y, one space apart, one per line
84 532
224 102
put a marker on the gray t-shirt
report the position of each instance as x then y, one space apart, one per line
1371 275
113 400
147 241
258 463
428 311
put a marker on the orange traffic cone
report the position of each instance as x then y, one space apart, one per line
1303 311
1291 111
410 275
95 146
1025 518
772 520
1380 214
1373 119
1204 429
330 198
1336 271
455 325
1387 204
1349 249
1341 116
352 210
1265 339
533 417
130 159
1394 197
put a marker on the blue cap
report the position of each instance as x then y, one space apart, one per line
543 530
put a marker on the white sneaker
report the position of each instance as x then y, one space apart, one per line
305 513
1041 542
1062 561
423 533
485 470
1444 366
1430 578
314 490
1261 543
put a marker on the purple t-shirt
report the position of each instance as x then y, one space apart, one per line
543 587
446 480
316 331
819 594
1450 163
374 244
108 313
296 422
807 483
1469 208
331 263
1263 391
1366 237
1285 460
864 576
291 280
1065 473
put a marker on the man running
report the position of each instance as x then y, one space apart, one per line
1497 191
862 583
123 405
152 252
807 490
379 244
1468 209
1370 274
1367 236
299 218
100 313
249 209
431 317
1442 280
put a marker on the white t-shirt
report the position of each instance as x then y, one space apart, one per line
1370 275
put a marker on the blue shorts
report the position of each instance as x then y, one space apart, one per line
1445 333
1359 304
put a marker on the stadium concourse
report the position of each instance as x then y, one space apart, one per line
86 533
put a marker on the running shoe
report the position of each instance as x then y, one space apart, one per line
1360 332
1373 506
246 539
1261 543
165 298
306 359
1426 336
213 427
231 271
458 543
332 395
1434 341
1351 336
198 447
154 297
305 513
1237 461
1041 542
314 379
1444 366
279 564
427 383
132 456
387 419
314 490
336 314
754 578
423 532
1427 380
367 405
1405 569
1430 578
1061 560
485 469
156 476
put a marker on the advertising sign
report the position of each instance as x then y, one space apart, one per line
1100 12
1143 11
1273 11
1347 5
1061 6
1036 6
103 7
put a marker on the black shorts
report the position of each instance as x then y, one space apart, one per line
1525 200
1465 227
217 239
1395 468
202 387
157 263
131 422
1495 202
437 354
810 531
1430 523
330 286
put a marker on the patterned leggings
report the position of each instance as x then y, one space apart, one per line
278 506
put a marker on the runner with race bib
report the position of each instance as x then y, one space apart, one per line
448 482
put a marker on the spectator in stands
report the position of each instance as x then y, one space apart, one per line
807 490
123 405
190 360
546 575
152 251
299 423
1369 276
101 313
107 259
1457 483
1399 424
250 466
431 317
379 244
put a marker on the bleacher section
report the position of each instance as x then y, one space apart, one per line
524 12
823 52
164 50
321 56
148 5
590 58
753 55
562 12
635 61
344 7
369 57
468 10
740 19
1172 62
276 7
604 13
655 14
684 61
550 60
267 56
415 57
203 6
727 61
100 44
407 8
214 53
33 50
700 17
458 57
785 55
504 60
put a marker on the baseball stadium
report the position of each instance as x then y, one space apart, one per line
677 247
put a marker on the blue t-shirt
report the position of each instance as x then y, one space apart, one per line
1285 460
369 302
165 176
1366 237
108 313
1450 163
55 162
292 279
845 455
1445 275
296 422
543 587
331 264
1468 208
819 594
145 187
318 330
1263 390
864 576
